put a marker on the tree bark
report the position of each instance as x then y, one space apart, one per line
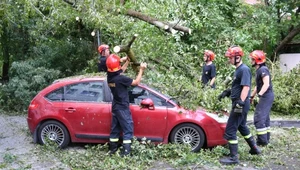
160 24
5 50
287 39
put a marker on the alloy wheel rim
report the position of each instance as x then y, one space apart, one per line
53 133
188 135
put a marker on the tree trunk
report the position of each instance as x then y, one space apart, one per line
287 39
5 50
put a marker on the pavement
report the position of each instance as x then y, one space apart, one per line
282 123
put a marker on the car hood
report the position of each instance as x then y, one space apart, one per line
201 113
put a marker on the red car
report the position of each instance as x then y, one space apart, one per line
78 109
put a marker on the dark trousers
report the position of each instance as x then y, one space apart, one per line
262 117
237 122
122 121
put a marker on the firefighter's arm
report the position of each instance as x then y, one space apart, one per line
212 81
125 65
135 82
265 86
244 93
254 92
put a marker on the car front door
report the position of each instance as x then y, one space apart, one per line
148 123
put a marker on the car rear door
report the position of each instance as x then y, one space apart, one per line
85 110
99 112
67 109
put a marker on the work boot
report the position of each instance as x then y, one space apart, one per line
262 140
126 149
254 148
233 157
268 136
113 148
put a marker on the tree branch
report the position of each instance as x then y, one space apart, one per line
128 51
160 24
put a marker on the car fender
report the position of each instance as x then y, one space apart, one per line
62 120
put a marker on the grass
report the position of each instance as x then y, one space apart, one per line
284 144
282 152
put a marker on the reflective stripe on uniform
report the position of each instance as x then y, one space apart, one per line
248 136
261 131
268 129
233 141
113 139
126 141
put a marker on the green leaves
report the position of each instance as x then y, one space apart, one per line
57 35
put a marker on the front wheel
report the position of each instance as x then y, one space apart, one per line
188 134
54 131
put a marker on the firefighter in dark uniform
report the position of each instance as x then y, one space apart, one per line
209 69
104 53
264 90
121 115
239 94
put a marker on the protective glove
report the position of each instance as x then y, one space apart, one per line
225 93
238 108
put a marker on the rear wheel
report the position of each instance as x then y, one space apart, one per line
188 134
54 131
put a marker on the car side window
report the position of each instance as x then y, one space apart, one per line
83 92
137 94
56 95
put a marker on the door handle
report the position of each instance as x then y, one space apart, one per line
70 110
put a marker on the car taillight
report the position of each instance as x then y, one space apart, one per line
33 105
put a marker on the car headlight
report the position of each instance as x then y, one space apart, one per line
220 118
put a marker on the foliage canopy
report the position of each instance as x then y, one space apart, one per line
53 39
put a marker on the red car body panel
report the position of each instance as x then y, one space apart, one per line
93 119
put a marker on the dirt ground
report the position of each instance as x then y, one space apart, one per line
17 151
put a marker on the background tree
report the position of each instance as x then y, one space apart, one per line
56 36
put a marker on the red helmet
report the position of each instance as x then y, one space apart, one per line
113 63
211 55
102 47
258 56
234 51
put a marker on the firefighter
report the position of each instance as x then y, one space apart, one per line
121 115
264 90
208 69
104 53
239 94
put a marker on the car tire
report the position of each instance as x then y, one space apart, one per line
53 131
188 134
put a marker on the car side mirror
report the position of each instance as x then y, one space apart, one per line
147 103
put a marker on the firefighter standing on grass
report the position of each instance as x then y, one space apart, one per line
239 94
208 69
264 90
121 115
